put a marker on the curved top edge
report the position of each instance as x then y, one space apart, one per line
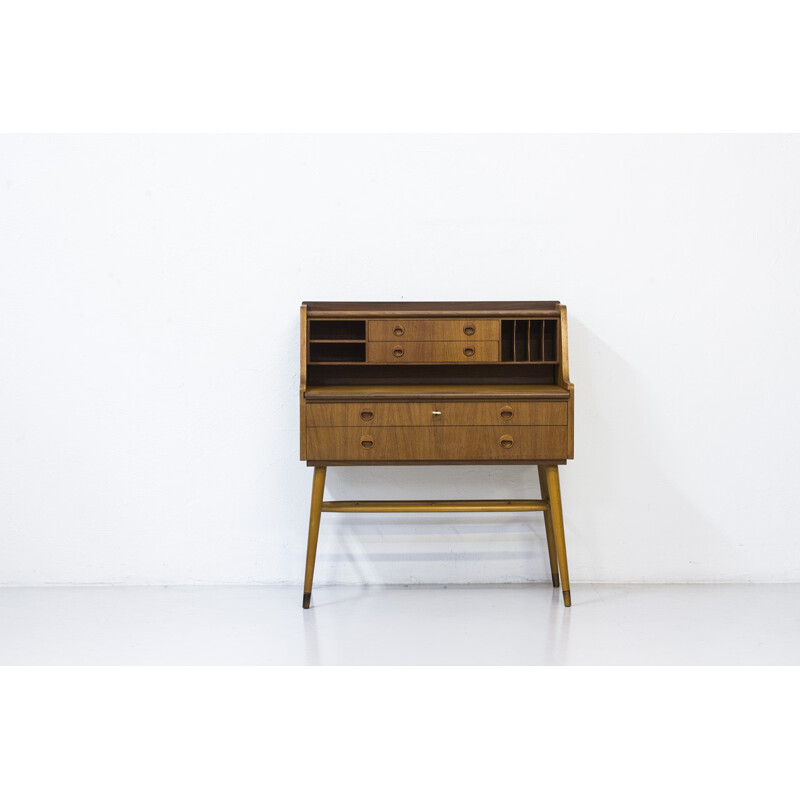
478 308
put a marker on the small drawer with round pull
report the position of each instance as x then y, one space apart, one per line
432 352
433 330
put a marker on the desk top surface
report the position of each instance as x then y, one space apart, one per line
440 391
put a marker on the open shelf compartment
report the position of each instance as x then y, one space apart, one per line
352 330
337 341
337 352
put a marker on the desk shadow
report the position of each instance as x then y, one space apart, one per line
369 625
557 639
627 517
370 543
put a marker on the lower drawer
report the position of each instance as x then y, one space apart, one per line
454 443
432 352
532 412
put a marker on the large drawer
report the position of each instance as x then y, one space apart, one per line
427 330
455 443
432 413
432 352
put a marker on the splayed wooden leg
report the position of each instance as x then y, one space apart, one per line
554 491
548 526
317 490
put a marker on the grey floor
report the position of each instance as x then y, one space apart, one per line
457 624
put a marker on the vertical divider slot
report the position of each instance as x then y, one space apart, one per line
541 340
535 340
520 339
514 339
527 340
550 340
507 340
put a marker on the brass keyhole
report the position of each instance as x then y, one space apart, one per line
506 412
367 415
397 352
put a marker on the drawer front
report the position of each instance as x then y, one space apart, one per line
432 352
423 414
456 443
432 330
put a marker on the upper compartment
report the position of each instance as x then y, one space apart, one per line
423 343
337 330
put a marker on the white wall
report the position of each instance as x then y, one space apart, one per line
149 317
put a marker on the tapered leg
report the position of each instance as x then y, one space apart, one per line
554 492
317 489
548 526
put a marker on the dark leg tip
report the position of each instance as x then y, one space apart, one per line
555 579
306 599
567 599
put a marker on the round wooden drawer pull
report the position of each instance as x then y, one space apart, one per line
367 415
397 352
469 330
506 412
469 351
399 330
367 442
506 441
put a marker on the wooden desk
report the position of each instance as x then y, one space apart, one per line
437 383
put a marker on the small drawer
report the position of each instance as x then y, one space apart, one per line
430 413
432 352
457 443
432 330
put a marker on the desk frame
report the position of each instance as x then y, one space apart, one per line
550 504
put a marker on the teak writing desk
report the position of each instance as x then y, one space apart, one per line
437 383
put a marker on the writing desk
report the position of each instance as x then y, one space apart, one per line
437 383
